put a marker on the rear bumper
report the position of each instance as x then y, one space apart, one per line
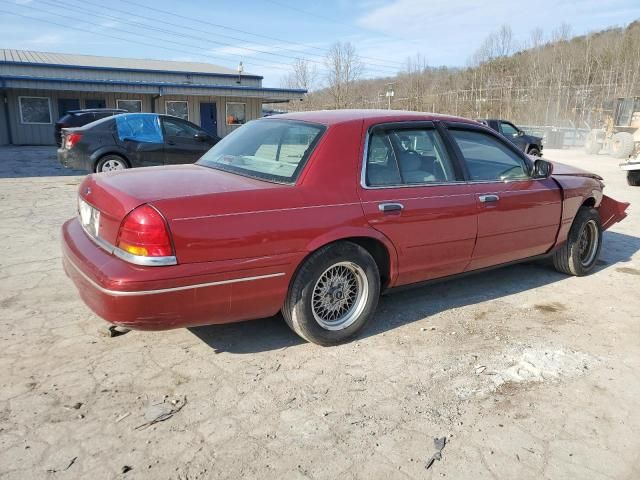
69 159
161 298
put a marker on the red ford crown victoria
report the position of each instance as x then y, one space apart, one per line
314 214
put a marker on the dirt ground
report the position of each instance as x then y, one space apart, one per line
528 373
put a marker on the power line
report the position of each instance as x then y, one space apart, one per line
93 32
188 36
192 19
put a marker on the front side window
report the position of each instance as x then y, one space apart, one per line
131 106
407 157
273 150
178 109
35 110
509 130
487 158
140 127
236 113
176 128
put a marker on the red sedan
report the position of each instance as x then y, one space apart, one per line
314 214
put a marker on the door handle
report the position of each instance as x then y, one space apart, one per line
170 142
390 207
489 198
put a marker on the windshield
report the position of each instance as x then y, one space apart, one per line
273 150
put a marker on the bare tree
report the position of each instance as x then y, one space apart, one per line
303 75
344 67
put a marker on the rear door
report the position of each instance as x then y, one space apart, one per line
181 144
140 134
414 193
518 217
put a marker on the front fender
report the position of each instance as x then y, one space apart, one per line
347 232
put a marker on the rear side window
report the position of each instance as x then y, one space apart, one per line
487 158
143 128
407 157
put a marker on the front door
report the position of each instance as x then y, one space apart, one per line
67 104
180 142
413 192
518 217
513 134
209 118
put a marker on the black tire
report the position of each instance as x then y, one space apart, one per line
570 258
633 178
111 158
299 307
591 144
622 145
534 151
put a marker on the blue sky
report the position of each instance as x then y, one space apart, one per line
385 32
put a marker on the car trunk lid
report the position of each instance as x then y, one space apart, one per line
115 194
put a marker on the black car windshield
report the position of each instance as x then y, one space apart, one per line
272 150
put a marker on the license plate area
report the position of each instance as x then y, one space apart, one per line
89 218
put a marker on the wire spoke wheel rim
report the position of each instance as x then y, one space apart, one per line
588 242
339 296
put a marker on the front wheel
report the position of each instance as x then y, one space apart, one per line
333 295
534 151
579 254
633 178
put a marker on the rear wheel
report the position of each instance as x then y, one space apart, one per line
334 294
110 163
622 145
579 254
633 178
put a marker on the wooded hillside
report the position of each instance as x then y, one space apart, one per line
559 80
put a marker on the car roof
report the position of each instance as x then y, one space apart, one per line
96 110
332 117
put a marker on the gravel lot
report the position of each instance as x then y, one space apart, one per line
527 372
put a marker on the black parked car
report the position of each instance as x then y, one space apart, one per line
133 140
78 118
527 143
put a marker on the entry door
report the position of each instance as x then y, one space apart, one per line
67 104
518 217
209 118
180 142
413 193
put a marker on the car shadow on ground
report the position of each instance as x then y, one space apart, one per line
35 161
405 307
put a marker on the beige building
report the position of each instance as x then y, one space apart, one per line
37 88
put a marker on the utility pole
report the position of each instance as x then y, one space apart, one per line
390 93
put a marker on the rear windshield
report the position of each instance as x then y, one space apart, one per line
272 150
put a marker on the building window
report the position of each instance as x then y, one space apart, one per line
236 113
36 110
177 108
132 106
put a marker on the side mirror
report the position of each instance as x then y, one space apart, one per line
201 137
520 133
542 169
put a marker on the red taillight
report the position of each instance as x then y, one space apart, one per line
145 233
72 139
